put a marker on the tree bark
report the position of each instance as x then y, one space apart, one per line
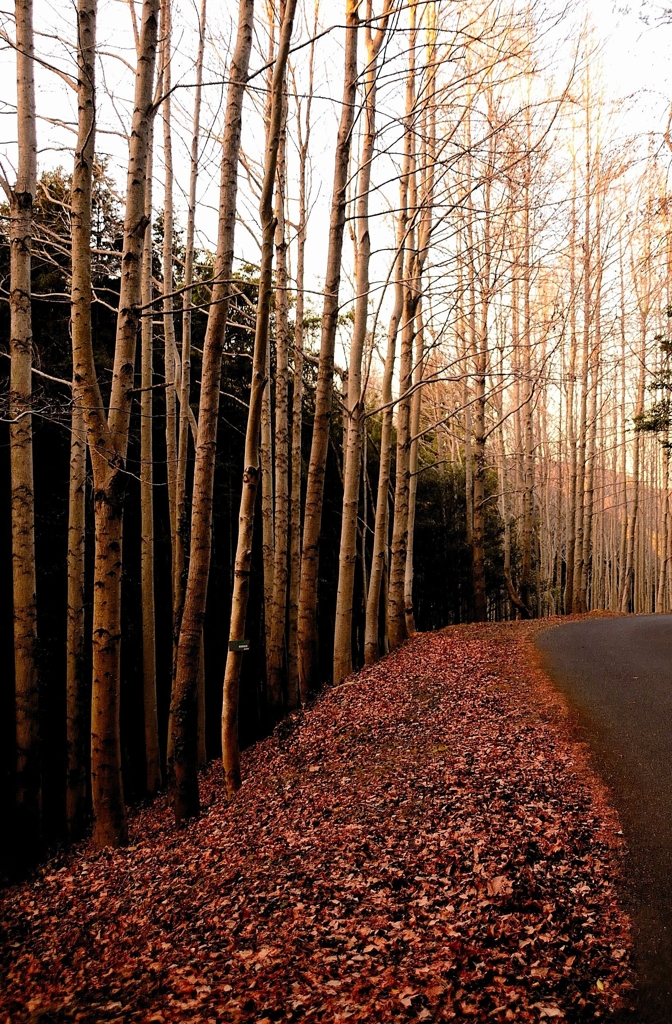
108 442
307 617
396 613
295 693
28 782
354 404
241 581
183 725
169 344
181 537
278 610
151 723
380 530
80 201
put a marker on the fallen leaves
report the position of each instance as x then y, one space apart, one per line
425 843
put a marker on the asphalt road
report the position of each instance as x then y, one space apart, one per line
617 676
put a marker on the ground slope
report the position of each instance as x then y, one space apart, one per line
425 843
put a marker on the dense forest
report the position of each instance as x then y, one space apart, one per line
319 328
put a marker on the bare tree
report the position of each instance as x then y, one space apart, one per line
183 725
230 753
307 618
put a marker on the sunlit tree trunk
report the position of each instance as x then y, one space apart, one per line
241 581
278 608
153 777
81 296
588 536
181 536
266 439
307 618
21 197
353 420
170 349
416 408
396 612
570 517
528 407
77 682
183 725
108 453
297 694
428 162
381 523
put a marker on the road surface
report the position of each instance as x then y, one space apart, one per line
617 675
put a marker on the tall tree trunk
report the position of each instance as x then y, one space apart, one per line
266 441
241 581
169 345
296 694
480 349
151 722
76 682
81 193
307 618
428 160
185 418
278 608
528 409
354 418
628 597
416 408
28 785
570 520
108 442
183 725
267 503
380 529
396 613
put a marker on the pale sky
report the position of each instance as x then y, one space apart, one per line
635 63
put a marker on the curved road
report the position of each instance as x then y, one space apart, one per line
617 675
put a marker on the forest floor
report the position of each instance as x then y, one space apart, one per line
426 842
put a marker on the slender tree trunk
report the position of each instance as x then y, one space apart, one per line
428 159
354 418
76 683
396 613
170 348
528 409
183 726
380 530
267 513
480 348
296 694
266 442
307 618
241 582
108 455
570 539
628 593
81 195
181 537
151 722
278 609
28 785
587 554
416 408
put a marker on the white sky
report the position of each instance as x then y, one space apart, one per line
635 63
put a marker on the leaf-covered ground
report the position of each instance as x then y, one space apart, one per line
425 843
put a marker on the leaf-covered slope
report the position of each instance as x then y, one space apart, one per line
425 843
